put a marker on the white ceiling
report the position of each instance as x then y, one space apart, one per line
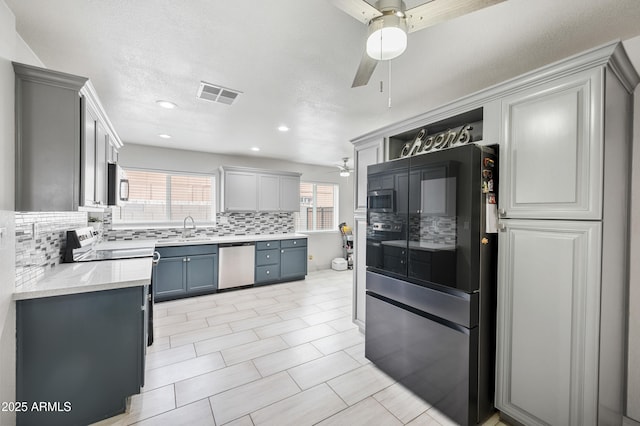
294 61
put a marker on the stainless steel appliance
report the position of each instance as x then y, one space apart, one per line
117 185
236 264
431 278
81 246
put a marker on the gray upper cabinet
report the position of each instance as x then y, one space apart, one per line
552 149
244 189
240 190
268 193
48 135
290 193
58 118
88 165
102 140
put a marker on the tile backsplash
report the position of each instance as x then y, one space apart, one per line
259 223
40 241
41 236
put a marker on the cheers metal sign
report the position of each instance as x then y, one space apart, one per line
424 143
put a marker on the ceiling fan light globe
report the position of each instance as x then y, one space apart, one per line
387 38
345 173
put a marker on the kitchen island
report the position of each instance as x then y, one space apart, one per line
81 341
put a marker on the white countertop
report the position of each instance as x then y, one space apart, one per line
83 277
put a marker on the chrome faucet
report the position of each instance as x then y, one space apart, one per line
186 234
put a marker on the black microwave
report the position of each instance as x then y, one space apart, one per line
381 200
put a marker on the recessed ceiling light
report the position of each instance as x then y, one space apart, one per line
166 104
255 148
165 136
283 128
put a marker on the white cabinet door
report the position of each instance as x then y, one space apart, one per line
360 271
268 193
240 191
365 154
289 194
551 152
548 322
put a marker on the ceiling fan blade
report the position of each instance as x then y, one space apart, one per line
359 9
365 70
437 11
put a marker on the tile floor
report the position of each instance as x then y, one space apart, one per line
285 354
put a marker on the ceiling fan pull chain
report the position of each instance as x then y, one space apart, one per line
389 103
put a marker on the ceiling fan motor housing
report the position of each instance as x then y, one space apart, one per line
397 5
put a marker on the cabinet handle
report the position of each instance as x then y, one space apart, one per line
502 227
184 259
502 212
281 251
188 259
295 242
268 244
268 272
268 256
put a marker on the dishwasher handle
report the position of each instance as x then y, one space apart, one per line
236 244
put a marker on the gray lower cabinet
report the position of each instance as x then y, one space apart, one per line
81 355
280 260
293 258
185 271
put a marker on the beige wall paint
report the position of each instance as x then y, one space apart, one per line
12 48
323 246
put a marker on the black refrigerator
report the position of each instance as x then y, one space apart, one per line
431 277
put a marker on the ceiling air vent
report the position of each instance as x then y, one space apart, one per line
212 93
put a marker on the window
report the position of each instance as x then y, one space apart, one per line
168 197
318 207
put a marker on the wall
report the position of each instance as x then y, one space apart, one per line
323 247
12 48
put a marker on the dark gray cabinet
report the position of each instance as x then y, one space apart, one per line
168 277
84 352
185 271
293 258
267 262
284 260
62 141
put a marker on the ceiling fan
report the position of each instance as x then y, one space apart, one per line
389 22
345 171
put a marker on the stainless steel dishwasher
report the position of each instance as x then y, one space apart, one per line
237 264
